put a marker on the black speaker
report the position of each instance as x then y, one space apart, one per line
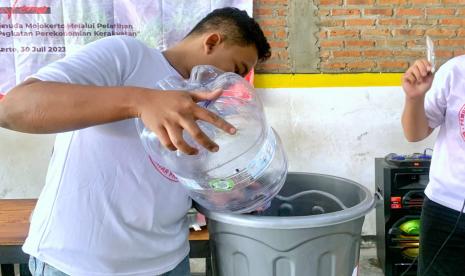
397 221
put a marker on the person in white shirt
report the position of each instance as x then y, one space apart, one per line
106 208
442 229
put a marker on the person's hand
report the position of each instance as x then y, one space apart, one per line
418 79
168 113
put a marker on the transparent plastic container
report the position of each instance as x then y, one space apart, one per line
249 169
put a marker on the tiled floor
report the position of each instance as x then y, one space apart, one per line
368 264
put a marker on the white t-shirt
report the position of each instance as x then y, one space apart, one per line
445 107
106 208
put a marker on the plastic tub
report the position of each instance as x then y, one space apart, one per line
313 227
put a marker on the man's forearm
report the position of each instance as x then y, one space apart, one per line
50 107
414 121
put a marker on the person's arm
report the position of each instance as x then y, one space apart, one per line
416 82
48 107
87 89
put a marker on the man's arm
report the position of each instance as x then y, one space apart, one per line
47 107
416 82
87 88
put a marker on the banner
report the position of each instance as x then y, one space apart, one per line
35 33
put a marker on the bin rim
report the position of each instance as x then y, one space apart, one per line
298 222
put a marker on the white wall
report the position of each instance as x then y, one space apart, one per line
337 131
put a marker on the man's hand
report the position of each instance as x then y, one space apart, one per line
418 79
416 82
168 113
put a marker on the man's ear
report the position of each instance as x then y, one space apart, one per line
211 42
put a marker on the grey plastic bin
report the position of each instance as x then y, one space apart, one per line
312 228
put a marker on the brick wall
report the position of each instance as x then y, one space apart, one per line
272 16
367 35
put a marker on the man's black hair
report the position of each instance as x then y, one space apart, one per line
237 26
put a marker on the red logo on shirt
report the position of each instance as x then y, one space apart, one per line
462 122
164 171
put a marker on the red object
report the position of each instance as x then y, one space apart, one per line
396 202
238 91
395 199
250 77
1 96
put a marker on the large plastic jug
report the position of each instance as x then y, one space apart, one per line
249 169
